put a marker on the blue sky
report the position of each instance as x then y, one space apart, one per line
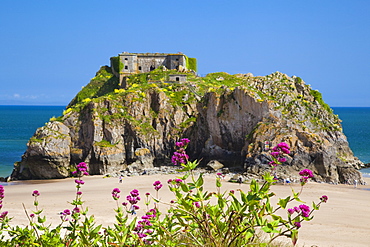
50 49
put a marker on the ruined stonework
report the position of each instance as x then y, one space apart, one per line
134 63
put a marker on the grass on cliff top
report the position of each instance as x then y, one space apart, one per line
277 87
104 82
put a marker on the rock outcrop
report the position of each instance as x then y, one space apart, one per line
228 118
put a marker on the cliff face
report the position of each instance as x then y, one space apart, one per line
228 118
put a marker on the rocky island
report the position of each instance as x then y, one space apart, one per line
132 112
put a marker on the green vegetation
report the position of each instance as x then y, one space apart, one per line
277 89
104 143
298 79
104 82
191 63
117 64
59 119
193 217
318 97
34 139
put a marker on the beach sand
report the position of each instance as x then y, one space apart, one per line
343 221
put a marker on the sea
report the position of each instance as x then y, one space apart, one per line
19 123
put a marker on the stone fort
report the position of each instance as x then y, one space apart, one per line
134 63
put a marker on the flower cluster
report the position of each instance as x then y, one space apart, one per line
133 198
79 182
220 175
76 210
1 196
3 215
175 183
35 193
306 174
324 198
157 185
65 214
115 194
183 143
142 226
180 157
303 209
278 153
81 170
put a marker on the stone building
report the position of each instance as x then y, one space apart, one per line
178 78
134 63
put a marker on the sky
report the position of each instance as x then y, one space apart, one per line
50 49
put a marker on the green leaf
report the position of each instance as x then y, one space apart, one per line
315 206
268 178
41 220
221 202
248 235
199 181
294 236
254 186
185 176
218 182
284 202
184 187
38 212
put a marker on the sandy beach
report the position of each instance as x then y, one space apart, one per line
342 221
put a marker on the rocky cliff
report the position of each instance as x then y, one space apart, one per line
229 118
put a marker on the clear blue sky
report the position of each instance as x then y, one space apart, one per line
50 49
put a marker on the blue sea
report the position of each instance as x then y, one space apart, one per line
355 123
19 123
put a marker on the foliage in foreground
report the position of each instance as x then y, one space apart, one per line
195 217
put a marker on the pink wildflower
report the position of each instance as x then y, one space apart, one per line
306 173
324 198
297 224
35 193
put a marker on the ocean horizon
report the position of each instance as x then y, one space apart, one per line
19 122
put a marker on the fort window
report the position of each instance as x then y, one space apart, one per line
152 68
177 59
177 78
126 59
126 67
139 67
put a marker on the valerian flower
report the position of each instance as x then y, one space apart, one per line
180 156
157 185
305 210
278 153
35 193
291 211
324 198
115 193
306 173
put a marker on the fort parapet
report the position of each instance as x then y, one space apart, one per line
126 63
